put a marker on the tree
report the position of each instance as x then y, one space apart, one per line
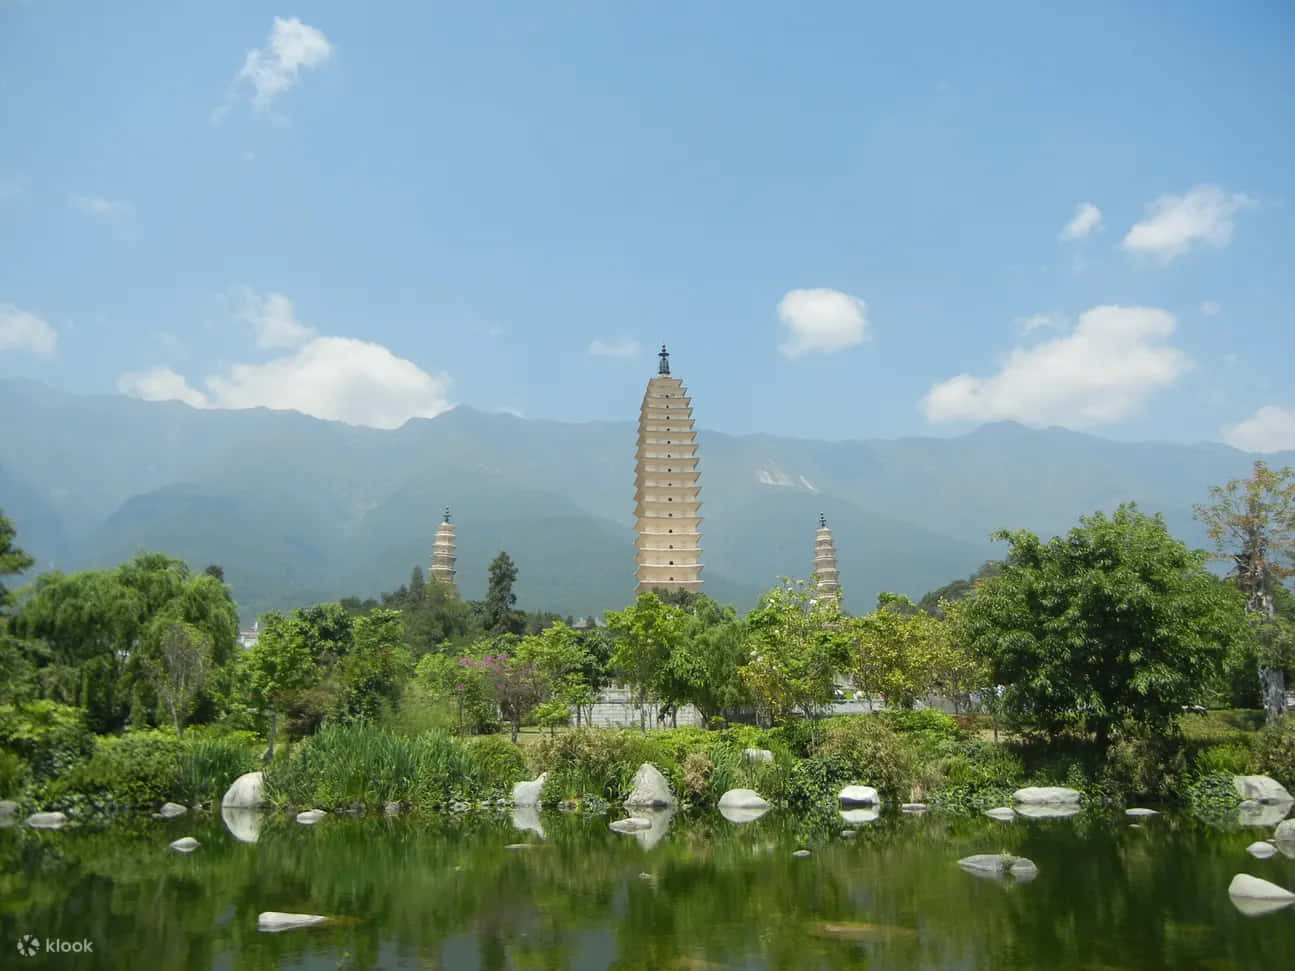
17 672
183 660
1252 522
376 668
500 617
646 633
795 648
1116 621
702 669
516 683
12 559
897 649
280 662
215 570
958 590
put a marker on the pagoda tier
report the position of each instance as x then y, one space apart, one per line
443 555
667 488
826 576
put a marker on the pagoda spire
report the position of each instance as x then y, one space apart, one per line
667 488
826 576
443 551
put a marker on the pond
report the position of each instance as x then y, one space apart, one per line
698 892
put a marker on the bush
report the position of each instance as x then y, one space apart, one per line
49 737
1213 799
1232 758
930 725
598 762
1146 767
874 753
1275 752
208 767
13 773
500 761
133 771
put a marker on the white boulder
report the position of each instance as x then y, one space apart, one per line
1003 814
1047 812
310 817
1262 814
243 824
527 819
170 810
272 921
650 788
914 807
859 796
860 816
632 824
247 792
1140 813
1285 831
742 799
185 844
527 793
1261 850
1047 796
46 820
1000 865
1260 788
757 755
1246 887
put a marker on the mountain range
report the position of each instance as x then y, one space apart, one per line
300 510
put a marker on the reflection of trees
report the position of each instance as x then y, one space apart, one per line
716 895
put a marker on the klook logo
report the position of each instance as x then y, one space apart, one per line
28 945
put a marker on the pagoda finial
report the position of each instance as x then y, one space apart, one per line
665 361
447 514
822 521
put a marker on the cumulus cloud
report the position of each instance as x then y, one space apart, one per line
1174 224
23 331
160 384
1101 372
272 316
1086 220
335 378
271 70
1270 429
101 207
623 347
821 319
1048 321
1211 308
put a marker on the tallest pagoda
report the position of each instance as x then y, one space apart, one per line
667 492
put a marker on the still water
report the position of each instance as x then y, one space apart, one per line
696 892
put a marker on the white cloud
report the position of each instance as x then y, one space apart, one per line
272 316
23 331
1270 429
160 384
1175 223
1086 219
623 347
821 319
101 207
1048 321
1211 308
335 378
1099 373
276 68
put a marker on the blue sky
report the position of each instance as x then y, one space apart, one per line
846 220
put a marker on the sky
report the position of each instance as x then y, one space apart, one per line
845 220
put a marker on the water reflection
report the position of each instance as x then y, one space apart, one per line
243 824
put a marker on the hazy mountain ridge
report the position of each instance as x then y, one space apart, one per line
297 509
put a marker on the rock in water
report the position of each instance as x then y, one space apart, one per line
170 810
1139 813
1255 897
528 793
393 808
857 817
1285 831
631 825
650 788
800 854
757 755
999 864
742 799
271 922
1260 788
247 792
186 844
310 817
1047 812
914 807
46 820
859 796
527 819
1047 796
243 824
1261 850
1003 814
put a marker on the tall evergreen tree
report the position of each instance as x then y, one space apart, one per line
500 615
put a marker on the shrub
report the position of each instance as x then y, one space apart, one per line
1146 767
697 771
208 766
933 726
133 771
599 763
874 753
49 737
1231 758
500 762
13 773
1213 799
1275 753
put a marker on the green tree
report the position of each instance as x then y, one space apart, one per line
17 670
376 668
439 622
897 650
1116 621
282 661
646 634
795 649
1252 522
958 590
13 560
702 668
499 614
182 662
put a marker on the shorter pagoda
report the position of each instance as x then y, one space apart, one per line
443 551
826 576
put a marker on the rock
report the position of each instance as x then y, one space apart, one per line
1260 788
527 819
1262 814
1047 796
1285 831
310 817
735 814
528 793
658 825
393 808
914 807
742 799
800 854
757 755
1047 812
1261 850
999 865
247 792
1140 813
1255 897
858 817
46 820
185 844
630 825
243 824
1003 814
859 796
272 922
170 810
650 788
